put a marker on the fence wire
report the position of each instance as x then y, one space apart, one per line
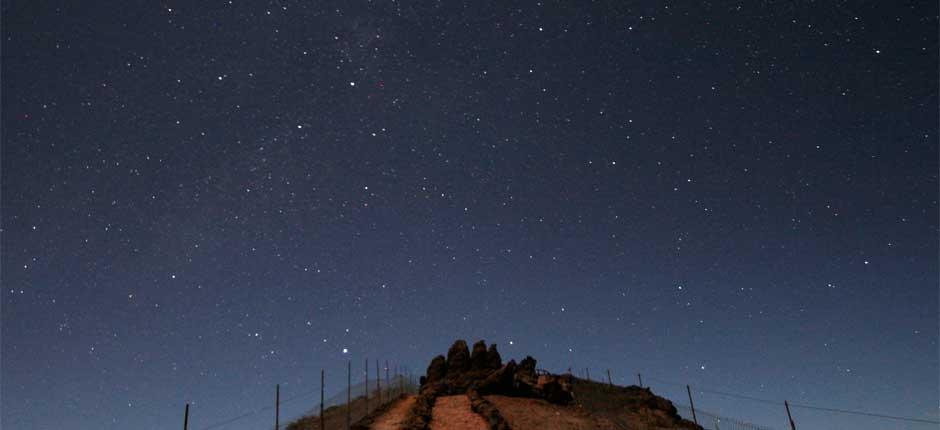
711 421
362 398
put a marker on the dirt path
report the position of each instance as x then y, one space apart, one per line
392 419
454 413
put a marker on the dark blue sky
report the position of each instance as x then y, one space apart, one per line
201 200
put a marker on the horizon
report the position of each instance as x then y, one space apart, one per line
201 201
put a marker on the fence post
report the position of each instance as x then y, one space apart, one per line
691 405
790 417
186 418
367 385
348 394
609 381
640 377
322 420
277 406
388 385
378 381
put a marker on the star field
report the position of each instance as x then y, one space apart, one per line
202 200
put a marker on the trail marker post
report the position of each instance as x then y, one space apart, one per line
186 418
640 378
277 406
322 420
609 381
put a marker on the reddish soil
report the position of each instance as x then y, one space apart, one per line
454 413
537 414
393 419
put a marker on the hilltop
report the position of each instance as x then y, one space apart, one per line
474 390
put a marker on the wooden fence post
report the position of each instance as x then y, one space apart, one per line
367 385
186 418
322 420
277 406
691 405
640 377
348 394
790 417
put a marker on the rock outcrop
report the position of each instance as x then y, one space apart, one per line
493 360
482 371
436 370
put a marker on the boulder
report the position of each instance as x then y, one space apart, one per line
493 360
436 370
526 372
478 356
458 359
554 392
501 381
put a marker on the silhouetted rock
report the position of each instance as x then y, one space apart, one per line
478 356
493 360
526 372
458 359
436 370
501 381
483 370
554 392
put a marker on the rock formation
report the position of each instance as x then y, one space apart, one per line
493 360
482 371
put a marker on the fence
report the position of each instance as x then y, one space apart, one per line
712 421
355 401
778 411
376 390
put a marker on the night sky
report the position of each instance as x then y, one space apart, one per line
203 199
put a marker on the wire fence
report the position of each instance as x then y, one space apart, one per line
356 400
353 404
778 411
373 391
712 421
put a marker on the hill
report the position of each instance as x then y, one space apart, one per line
474 390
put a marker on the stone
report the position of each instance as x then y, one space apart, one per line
526 372
554 392
501 381
478 356
458 359
436 370
493 360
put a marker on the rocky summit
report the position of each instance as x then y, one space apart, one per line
481 370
